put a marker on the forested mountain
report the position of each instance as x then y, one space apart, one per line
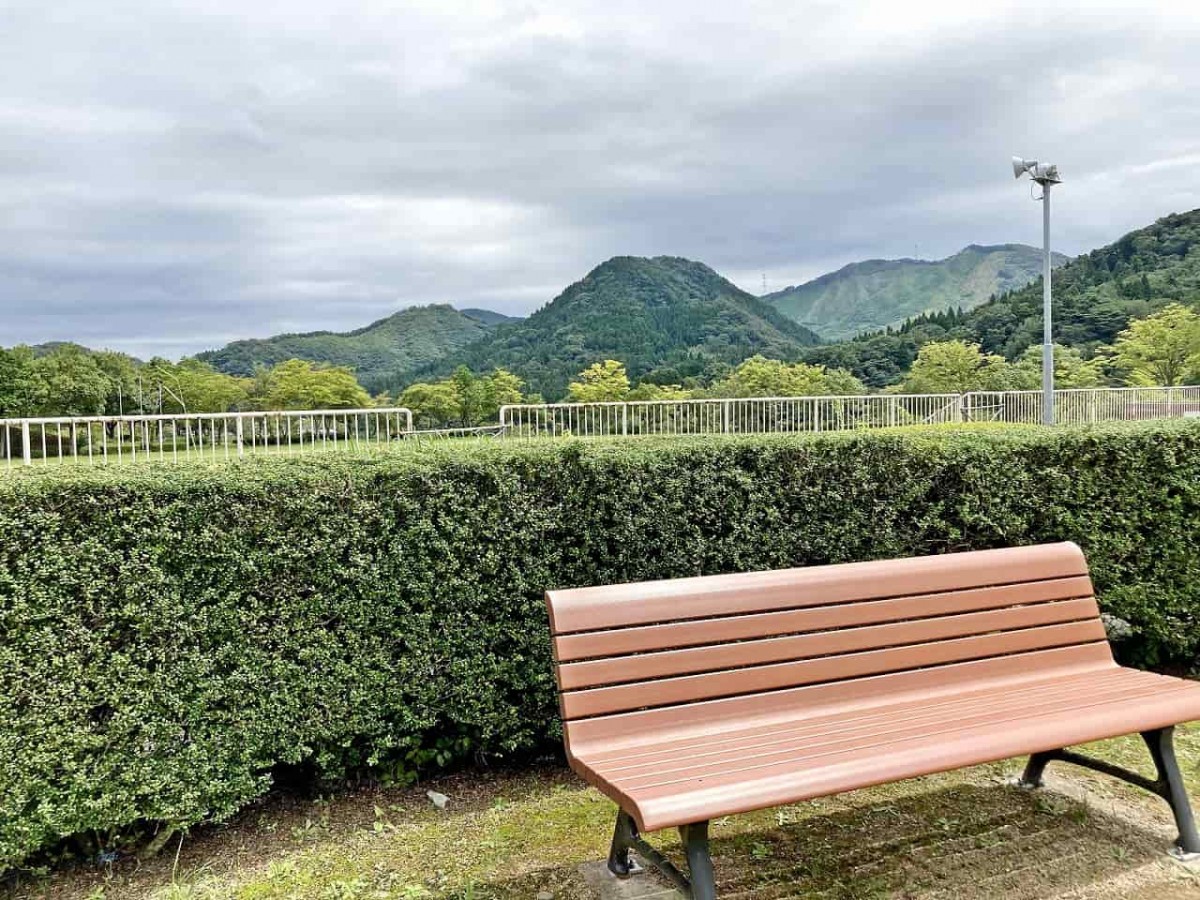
666 318
489 316
674 321
1095 297
404 340
882 293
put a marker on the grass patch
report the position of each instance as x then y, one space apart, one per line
963 835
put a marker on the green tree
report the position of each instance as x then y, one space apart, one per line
998 374
480 397
470 392
18 382
600 382
955 367
762 377
839 381
463 400
191 386
649 391
70 383
208 390
121 370
434 405
1162 348
1071 370
161 386
503 389
944 367
299 384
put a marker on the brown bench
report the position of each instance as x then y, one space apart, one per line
697 698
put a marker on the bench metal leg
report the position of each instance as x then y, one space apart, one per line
1034 769
1168 784
695 845
699 886
624 837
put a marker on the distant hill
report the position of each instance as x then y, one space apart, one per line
489 317
882 293
48 347
666 318
1095 297
402 341
1096 294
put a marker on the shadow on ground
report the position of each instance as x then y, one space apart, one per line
964 842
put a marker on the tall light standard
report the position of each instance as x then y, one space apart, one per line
1045 175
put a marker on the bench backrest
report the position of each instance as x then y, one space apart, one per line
666 644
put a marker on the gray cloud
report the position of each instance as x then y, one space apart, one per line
174 175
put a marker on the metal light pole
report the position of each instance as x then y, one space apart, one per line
1045 175
1047 337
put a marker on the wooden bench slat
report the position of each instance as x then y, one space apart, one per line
742 791
598 608
880 730
691 688
627 731
979 723
731 655
808 722
637 639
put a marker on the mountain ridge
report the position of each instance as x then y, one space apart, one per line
873 294
409 337
665 317
1095 295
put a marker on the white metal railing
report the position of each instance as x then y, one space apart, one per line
839 413
731 416
101 439
1082 406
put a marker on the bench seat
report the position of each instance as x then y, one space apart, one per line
696 698
800 751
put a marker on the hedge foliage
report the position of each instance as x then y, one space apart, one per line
168 635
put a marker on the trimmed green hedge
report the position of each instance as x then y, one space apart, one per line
170 634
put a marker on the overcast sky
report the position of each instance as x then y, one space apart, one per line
175 174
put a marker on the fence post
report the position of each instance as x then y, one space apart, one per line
624 418
892 401
725 417
239 435
26 450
